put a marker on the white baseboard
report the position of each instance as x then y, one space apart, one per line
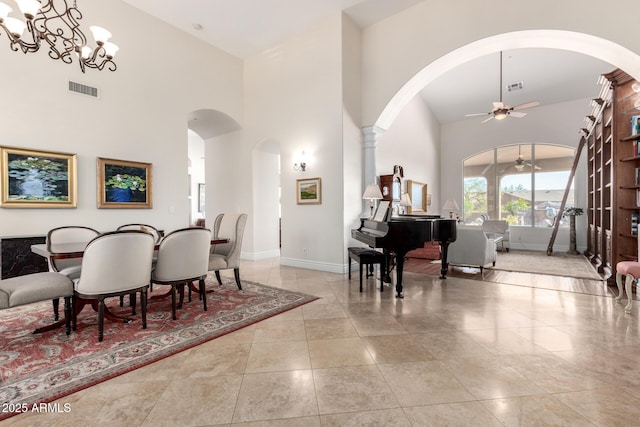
255 256
314 265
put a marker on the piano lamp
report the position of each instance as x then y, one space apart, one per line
405 201
372 192
451 206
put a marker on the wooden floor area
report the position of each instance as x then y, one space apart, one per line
562 283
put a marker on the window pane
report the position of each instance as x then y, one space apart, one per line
523 184
514 173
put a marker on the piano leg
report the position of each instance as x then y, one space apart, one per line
386 274
399 268
444 247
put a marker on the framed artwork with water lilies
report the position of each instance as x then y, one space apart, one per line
124 184
37 179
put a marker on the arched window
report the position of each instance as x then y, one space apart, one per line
523 184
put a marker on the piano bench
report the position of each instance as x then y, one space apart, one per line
367 257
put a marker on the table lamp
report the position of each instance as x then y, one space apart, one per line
451 206
372 192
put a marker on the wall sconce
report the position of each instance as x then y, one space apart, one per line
300 165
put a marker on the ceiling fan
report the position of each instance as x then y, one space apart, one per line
501 110
520 163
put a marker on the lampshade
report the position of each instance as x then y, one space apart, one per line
372 192
405 200
500 115
29 8
451 205
100 35
5 9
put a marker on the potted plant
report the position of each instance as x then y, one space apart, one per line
572 212
123 185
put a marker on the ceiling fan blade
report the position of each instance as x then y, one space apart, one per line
517 114
527 105
487 119
536 167
476 114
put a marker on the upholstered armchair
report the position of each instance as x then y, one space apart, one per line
472 248
157 235
499 228
227 255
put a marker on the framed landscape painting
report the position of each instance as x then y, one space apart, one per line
37 179
309 191
124 184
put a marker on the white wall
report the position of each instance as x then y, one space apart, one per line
435 28
196 170
413 141
293 96
141 114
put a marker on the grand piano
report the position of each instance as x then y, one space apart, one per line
402 234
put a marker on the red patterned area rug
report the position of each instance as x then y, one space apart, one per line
39 368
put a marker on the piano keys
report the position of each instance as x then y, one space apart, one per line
403 234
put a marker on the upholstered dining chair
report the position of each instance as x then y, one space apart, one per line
183 257
70 267
115 263
227 255
157 235
630 270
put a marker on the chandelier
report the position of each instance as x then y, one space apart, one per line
55 23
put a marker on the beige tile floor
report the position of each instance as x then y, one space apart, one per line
458 352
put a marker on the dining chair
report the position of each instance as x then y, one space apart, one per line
227 255
70 267
182 259
114 263
630 271
157 235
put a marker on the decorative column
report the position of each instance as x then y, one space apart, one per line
371 134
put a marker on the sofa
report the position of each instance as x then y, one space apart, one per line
472 248
497 228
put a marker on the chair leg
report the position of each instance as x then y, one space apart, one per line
56 312
203 294
74 315
360 277
620 287
218 277
236 274
101 320
121 300
132 303
629 288
173 301
143 307
67 315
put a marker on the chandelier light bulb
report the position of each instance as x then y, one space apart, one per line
100 35
85 53
5 10
29 8
15 26
110 49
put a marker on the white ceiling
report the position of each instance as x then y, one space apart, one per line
247 27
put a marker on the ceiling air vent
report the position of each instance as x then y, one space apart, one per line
83 89
514 86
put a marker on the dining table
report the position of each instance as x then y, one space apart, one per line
76 250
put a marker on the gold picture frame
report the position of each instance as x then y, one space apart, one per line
37 179
419 198
124 184
309 191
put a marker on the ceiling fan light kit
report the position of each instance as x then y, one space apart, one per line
501 110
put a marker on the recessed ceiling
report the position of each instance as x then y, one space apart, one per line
247 27
548 75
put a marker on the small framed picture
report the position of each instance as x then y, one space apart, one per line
635 125
309 191
37 179
124 184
